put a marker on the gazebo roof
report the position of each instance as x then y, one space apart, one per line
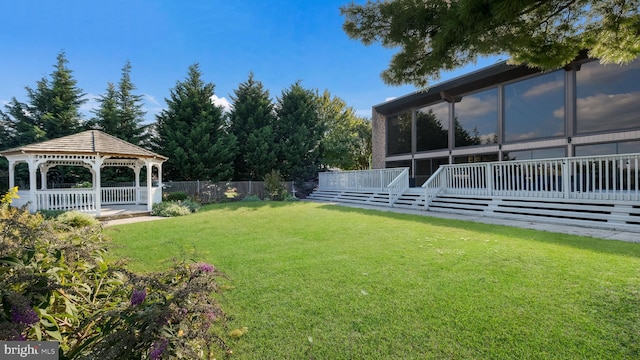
90 142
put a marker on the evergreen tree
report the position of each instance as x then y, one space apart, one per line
192 133
251 121
346 143
53 109
435 35
120 113
298 131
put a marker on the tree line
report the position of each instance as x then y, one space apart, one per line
301 133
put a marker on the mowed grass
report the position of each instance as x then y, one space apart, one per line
316 281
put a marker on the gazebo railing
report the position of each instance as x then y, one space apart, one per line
73 199
119 195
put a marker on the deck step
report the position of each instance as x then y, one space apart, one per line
595 214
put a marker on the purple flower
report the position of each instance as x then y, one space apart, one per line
158 348
204 267
22 313
138 296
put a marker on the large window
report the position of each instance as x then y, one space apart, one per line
399 134
534 108
476 119
432 127
607 97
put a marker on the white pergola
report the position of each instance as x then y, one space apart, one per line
93 150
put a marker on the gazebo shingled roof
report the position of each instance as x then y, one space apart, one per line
86 142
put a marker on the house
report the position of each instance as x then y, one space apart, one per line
509 141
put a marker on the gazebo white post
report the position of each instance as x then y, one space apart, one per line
44 169
12 174
33 184
160 177
96 166
136 171
149 165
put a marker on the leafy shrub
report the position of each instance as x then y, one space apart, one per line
290 197
51 214
76 219
274 186
177 196
251 198
192 205
174 208
58 286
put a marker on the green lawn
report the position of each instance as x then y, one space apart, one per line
315 281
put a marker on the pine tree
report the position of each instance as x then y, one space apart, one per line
120 113
298 130
436 35
192 133
53 109
251 121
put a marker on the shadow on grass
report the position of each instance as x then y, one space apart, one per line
615 247
252 205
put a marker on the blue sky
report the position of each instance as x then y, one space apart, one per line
280 41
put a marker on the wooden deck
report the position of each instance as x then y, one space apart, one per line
113 212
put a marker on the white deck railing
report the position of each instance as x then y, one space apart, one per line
364 180
612 177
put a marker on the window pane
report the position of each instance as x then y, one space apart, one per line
475 158
607 97
426 167
432 127
476 119
534 108
399 134
627 147
551 153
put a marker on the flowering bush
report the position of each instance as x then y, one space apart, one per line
174 208
55 284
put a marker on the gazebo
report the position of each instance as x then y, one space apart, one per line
93 150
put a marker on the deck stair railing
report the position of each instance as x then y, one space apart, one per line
610 177
433 186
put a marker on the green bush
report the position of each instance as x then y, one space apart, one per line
177 196
57 286
51 214
76 219
174 208
274 186
251 198
290 197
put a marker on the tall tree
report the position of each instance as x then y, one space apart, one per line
192 133
251 121
435 35
53 109
346 143
298 131
120 113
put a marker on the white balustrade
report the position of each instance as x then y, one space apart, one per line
363 180
119 195
611 177
69 199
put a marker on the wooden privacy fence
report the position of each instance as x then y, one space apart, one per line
209 191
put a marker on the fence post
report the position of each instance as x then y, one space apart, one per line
566 178
489 179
